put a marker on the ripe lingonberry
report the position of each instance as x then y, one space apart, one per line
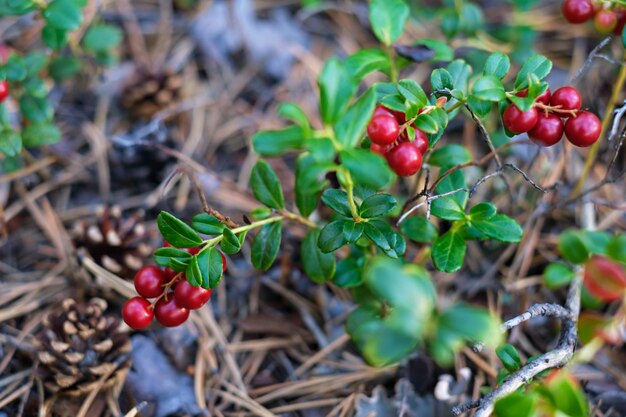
4 90
383 129
168 313
542 98
621 21
223 262
577 11
421 141
605 279
518 121
584 129
405 159
548 130
382 110
605 21
137 313
190 297
566 98
149 281
380 150
192 251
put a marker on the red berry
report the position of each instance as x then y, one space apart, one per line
405 159
4 90
421 141
518 121
223 262
605 21
577 11
621 21
168 313
380 150
4 53
542 98
400 117
382 110
170 274
383 129
149 281
137 313
566 98
193 251
190 297
584 129
605 279
548 130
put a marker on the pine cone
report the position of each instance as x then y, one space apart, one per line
79 345
151 93
119 244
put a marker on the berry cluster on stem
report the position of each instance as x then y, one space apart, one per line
607 17
543 122
172 296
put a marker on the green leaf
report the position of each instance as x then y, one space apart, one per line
388 18
35 86
448 155
481 108
448 252
319 266
451 207
193 274
440 79
366 61
230 244
14 69
557 275
266 245
62 68
16 7
162 256
616 248
348 274
294 113
500 227
337 200
212 268
413 92
460 72
207 224
538 65
489 88
266 186
509 357
459 325
321 149
419 229
177 232
389 336
40 134
35 62
53 37
426 123
573 247
36 109
377 205
498 65
368 169
336 90
332 236
10 142
63 14
483 211
443 51
383 236
351 126
352 231
517 404
101 37
567 396
310 182
277 142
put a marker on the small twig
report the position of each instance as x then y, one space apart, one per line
594 54
539 310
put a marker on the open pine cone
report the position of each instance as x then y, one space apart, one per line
151 93
119 244
79 346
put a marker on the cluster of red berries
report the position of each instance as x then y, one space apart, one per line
544 123
173 296
606 18
389 138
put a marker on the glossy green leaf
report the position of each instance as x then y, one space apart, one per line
230 243
266 245
193 273
366 61
367 169
448 155
53 37
557 275
377 205
448 252
332 237
499 227
483 211
294 113
36 109
211 267
337 200
40 134
497 64
388 18
352 231
517 404
419 229
616 248
266 186
538 65
509 357
348 274
162 256
102 37
489 88
573 247
413 92
440 79
177 232
319 266
207 224
10 142
351 126
336 90
277 142
14 69
63 14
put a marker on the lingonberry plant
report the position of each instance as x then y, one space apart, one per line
609 16
29 77
366 138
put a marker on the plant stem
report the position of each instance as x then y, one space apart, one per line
606 120
393 69
454 107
